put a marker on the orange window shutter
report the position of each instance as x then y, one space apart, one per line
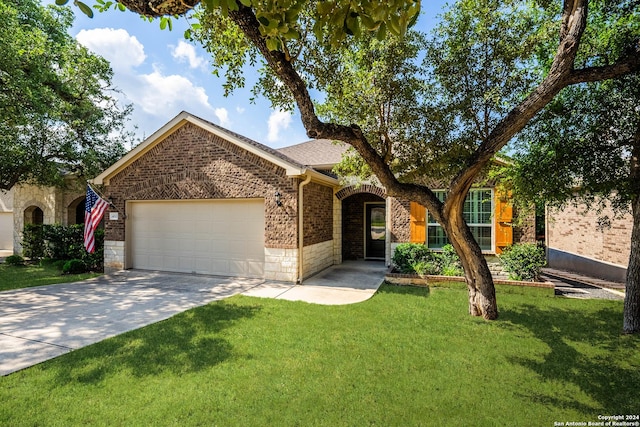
504 218
418 227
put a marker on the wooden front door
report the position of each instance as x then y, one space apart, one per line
375 230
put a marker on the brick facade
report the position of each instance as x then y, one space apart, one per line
192 163
318 213
575 230
400 220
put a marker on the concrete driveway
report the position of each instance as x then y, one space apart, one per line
37 324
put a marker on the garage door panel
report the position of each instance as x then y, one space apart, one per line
209 237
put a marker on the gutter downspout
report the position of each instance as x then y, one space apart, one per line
301 226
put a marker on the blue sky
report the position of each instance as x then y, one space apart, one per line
162 74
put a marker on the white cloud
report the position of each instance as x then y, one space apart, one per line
186 52
278 120
223 115
121 49
240 110
156 94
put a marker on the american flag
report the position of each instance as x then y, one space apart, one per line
94 209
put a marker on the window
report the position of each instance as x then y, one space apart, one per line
477 214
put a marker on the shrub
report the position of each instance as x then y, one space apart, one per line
407 255
74 266
14 260
33 244
59 242
426 267
450 262
523 261
417 258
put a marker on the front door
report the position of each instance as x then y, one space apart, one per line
375 230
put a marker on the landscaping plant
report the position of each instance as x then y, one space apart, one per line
523 261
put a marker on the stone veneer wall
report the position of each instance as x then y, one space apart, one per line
192 163
317 257
575 230
53 201
281 264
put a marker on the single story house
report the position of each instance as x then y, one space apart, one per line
34 204
576 242
197 198
6 220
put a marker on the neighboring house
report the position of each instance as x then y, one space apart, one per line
33 204
197 198
6 220
575 242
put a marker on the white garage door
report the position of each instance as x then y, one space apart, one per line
6 230
206 237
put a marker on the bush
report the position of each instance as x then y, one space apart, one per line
407 255
523 261
417 258
14 260
450 262
74 266
58 242
33 244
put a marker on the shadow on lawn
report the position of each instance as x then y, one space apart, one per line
188 342
586 348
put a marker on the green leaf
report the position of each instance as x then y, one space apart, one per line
121 7
273 43
84 8
246 2
163 23
61 2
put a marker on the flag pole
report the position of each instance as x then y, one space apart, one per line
103 197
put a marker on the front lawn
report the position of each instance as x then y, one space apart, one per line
407 357
17 277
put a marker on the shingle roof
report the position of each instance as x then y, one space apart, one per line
317 152
256 144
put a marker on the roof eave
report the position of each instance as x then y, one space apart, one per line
178 121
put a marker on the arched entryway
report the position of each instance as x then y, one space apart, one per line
75 211
364 222
33 215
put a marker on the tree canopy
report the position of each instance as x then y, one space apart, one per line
57 112
484 91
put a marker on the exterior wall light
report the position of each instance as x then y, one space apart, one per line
278 201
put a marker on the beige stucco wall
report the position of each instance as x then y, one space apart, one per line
575 230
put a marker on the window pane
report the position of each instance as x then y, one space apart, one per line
477 207
482 236
436 238
377 224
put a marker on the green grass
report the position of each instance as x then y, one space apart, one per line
18 277
407 357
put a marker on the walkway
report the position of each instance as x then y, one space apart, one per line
575 285
44 322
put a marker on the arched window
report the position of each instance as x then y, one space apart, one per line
75 211
33 215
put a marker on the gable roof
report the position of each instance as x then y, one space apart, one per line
317 153
291 166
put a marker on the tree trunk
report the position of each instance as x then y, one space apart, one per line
482 292
631 321
631 318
